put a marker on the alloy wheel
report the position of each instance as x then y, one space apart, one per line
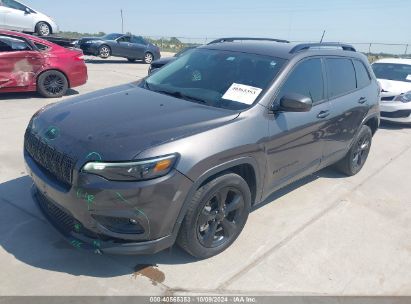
104 52
148 58
218 221
361 152
54 84
44 29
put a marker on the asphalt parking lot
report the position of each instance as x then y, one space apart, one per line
325 234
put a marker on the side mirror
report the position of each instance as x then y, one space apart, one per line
295 103
27 11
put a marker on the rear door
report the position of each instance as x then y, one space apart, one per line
138 47
18 18
349 104
19 63
296 140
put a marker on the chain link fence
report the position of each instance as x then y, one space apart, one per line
374 50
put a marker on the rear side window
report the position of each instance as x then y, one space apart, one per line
41 47
341 76
306 79
12 44
138 40
363 77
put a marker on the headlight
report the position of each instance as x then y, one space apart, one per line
404 97
132 171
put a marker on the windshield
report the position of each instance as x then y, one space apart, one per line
111 36
224 79
391 71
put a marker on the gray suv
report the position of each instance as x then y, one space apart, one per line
184 154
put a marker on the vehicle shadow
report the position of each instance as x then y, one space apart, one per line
388 125
111 61
25 234
30 95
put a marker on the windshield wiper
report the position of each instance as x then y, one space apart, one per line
181 96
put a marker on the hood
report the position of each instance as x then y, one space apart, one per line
393 87
116 124
162 61
83 39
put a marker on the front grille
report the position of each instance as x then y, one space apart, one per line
64 221
58 164
397 114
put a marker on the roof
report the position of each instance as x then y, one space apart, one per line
272 48
395 60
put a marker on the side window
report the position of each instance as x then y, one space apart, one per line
41 47
124 39
11 44
14 4
138 40
341 76
363 77
306 79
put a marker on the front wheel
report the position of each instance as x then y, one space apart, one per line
52 84
216 216
43 29
148 58
104 52
356 157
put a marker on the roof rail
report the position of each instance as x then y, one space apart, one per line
307 46
232 39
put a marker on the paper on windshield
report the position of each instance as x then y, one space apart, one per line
409 77
242 93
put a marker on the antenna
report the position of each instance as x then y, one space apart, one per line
322 37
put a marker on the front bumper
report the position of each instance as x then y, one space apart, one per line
75 211
396 111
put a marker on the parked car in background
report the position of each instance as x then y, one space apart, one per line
159 63
119 45
394 76
28 63
19 17
187 152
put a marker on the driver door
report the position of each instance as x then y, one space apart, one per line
296 142
18 17
122 47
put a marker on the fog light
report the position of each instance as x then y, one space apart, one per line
120 224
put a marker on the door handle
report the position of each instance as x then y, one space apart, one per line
323 114
362 100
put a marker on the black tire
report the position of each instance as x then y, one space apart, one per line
52 84
43 29
356 157
131 59
104 51
148 58
213 223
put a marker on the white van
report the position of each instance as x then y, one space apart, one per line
19 17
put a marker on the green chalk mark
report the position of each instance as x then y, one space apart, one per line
136 209
76 244
97 244
77 227
88 198
91 155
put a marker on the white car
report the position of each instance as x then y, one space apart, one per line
19 17
394 76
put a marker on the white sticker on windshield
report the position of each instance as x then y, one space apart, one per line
409 77
242 93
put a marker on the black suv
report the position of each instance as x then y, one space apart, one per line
185 153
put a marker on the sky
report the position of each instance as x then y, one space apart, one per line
297 20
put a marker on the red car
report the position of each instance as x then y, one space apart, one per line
28 63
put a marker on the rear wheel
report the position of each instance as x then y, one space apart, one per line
356 157
104 51
43 29
216 216
52 84
148 58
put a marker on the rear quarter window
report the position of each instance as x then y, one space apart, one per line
41 47
363 76
341 76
